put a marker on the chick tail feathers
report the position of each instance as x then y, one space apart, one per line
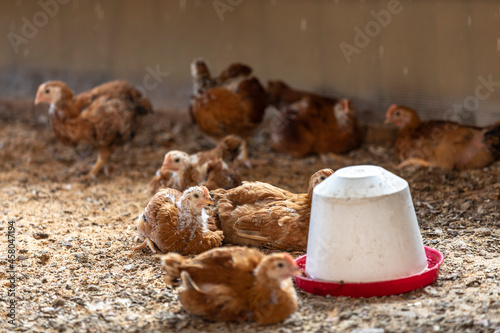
171 264
141 105
188 282
491 139
231 145
144 107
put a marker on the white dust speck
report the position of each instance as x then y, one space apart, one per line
303 24
469 20
405 71
381 52
99 11
182 5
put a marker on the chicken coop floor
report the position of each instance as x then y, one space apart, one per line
75 269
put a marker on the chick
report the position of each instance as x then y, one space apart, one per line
213 168
444 144
104 117
176 172
235 284
259 214
175 221
233 103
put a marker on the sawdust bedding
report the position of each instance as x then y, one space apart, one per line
76 271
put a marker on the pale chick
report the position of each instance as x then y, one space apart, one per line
175 222
233 103
235 284
214 168
104 117
177 172
262 215
444 144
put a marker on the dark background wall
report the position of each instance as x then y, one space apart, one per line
436 56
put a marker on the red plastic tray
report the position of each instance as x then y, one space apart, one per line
382 288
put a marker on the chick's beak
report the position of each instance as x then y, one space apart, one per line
208 201
387 120
165 167
297 271
38 98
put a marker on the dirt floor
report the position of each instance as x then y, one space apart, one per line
76 271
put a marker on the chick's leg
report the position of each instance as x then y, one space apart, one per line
413 161
147 243
244 155
103 155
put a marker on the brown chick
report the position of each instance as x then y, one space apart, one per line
226 149
104 117
310 123
442 144
343 134
213 168
235 284
259 214
176 172
234 103
175 222
281 95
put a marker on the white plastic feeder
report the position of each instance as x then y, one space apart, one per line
363 228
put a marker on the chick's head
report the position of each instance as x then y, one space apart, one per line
196 198
343 109
52 92
317 178
175 161
278 266
199 68
399 115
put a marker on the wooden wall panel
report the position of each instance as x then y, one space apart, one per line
432 55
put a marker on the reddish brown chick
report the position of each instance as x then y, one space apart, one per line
175 222
214 168
259 214
441 144
235 104
309 123
104 117
235 284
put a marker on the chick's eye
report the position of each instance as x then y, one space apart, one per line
196 196
323 177
47 91
280 265
398 113
177 160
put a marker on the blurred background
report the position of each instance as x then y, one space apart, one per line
439 57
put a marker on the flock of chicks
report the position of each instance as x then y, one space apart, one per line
200 201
